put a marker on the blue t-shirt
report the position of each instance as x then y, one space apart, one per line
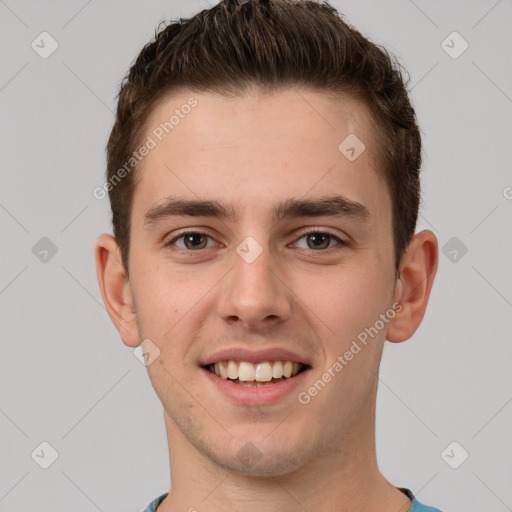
416 506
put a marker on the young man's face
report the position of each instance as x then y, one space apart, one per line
284 288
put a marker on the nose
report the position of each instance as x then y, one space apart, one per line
255 294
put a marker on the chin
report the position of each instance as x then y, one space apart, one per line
261 459
265 466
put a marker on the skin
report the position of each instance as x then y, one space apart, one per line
255 151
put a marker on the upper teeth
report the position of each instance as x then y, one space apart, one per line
261 372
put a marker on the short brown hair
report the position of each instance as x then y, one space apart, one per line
270 44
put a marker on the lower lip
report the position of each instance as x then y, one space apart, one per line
256 395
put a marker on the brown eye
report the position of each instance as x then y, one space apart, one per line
318 240
192 241
321 240
195 241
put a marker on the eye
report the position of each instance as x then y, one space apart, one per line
192 241
189 241
319 240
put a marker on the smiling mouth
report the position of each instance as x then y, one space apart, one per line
260 374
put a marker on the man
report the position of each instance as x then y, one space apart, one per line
263 173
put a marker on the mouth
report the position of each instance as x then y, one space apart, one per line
264 373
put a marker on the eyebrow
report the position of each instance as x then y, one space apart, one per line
331 206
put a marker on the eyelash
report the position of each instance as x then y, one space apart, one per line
340 241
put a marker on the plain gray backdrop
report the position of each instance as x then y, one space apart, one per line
66 378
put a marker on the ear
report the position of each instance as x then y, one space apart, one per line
115 288
417 271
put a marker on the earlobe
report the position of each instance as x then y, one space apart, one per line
416 277
115 288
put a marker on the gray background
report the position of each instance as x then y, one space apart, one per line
67 379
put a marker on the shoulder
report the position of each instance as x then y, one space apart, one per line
416 506
152 506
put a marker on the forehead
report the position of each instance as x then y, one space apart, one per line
259 149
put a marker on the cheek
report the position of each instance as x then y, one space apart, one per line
171 306
345 300
160 303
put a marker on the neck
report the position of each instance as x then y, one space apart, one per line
340 478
